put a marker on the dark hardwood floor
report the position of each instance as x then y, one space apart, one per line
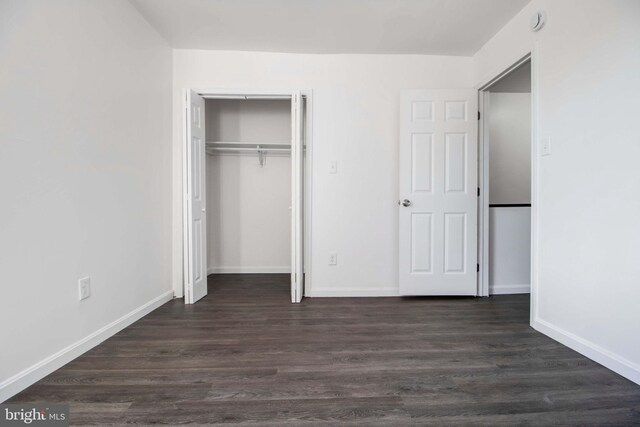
246 355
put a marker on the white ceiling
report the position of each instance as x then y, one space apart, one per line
435 27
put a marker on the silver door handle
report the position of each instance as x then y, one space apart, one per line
204 210
406 203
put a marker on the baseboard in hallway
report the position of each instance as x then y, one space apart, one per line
509 289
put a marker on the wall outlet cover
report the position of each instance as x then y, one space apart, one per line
333 258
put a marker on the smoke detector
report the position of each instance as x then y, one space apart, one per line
537 21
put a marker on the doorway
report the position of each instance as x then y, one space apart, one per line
245 175
505 205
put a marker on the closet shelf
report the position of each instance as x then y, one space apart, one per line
214 144
213 147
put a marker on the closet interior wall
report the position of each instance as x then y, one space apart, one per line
248 216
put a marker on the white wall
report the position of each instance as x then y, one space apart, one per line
85 175
255 120
509 148
587 62
248 216
509 250
355 122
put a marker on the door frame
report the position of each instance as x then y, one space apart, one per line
483 175
224 93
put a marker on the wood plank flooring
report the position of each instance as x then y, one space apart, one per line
245 355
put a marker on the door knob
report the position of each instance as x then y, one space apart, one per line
406 203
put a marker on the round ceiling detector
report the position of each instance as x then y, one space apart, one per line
537 21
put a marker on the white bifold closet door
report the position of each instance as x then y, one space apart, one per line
195 240
438 192
297 162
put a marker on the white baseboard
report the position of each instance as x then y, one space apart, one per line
249 270
509 289
34 373
606 358
341 292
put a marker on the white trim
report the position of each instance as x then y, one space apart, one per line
36 372
535 173
365 292
211 92
249 270
483 200
606 358
509 289
308 193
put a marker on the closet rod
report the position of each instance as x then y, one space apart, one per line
258 149
247 97
227 144
261 148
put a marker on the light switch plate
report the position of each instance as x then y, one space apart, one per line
545 150
84 288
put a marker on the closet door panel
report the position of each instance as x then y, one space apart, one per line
195 248
297 157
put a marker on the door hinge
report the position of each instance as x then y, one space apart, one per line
478 115
478 191
477 268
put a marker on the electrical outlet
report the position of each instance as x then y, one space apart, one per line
333 258
84 288
333 166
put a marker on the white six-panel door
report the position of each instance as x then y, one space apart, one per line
438 192
195 245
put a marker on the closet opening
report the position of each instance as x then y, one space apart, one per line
245 182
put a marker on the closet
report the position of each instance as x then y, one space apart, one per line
244 158
248 184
